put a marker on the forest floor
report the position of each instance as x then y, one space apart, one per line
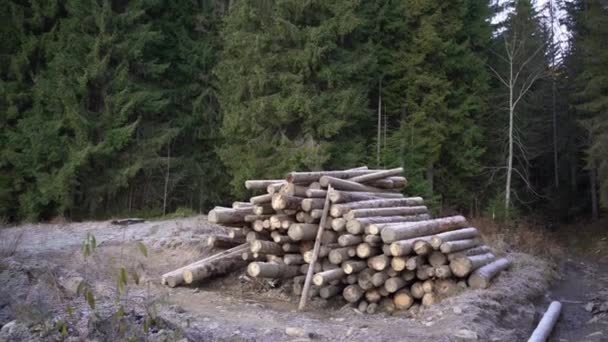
41 266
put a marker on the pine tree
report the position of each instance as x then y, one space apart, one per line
292 82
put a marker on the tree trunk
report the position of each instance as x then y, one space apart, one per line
483 249
546 324
219 241
266 247
593 190
372 225
397 231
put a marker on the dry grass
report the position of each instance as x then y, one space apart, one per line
521 237
10 244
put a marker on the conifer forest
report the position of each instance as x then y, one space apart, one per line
147 107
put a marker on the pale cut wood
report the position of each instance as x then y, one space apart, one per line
365 250
282 201
481 278
302 231
353 266
352 293
338 210
261 199
316 213
379 262
405 247
315 254
272 270
262 183
390 211
393 284
293 259
398 263
428 286
375 228
461 267
429 299
325 277
460 234
377 175
228 215
545 326
274 188
338 224
309 204
323 252
458 245
339 255
275 220
422 247
403 299
397 231
292 189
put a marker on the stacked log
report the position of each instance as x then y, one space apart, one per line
378 249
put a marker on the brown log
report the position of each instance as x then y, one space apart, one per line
365 250
393 284
378 223
302 231
408 275
365 279
291 248
405 247
460 234
387 305
329 291
353 266
461 267
272 270
228 215
425 272
339 255
458 245
422 247
443 271
397 231
379 262
352 293
338 224
403 299
353 196
293 259
219 241
429 299
481 278
261 199
281 239
416 290
437 259
308 177
349 240
483 249
316 193
398 263
212 268
261 184
372 296
253 236
377 175
413 263
322 278
338 210
390 211
282 201
309 204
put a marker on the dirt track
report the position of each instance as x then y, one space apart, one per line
39 285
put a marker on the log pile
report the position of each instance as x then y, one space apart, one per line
377 248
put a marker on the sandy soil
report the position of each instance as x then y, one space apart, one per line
39 299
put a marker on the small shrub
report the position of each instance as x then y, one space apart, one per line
9 245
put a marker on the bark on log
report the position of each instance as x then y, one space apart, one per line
316 193
309 204
238 233
428 286
339 255
414 263
212 268
329 291
281 239
354 196
398 263
362 307
403 299
323 252
422 247
338 224
283 201
352 293
349 240
390 211
253 236
292 189
481 278
219 241
365 250
322 278
373 296
342 184
377 175
394 284
461 267
274 188
314 176
458 245
302 231
252 218
263 209
353 266
437 259
316 213
228 215
338 210
266 247
262 183
460 234
379 262
261 199
546 324
405 247
397 231
377 224
379 278
291 248
316 269
483 249
272 270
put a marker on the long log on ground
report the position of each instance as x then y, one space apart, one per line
397 231
460 234
228 215
315 176
261 199
263 209
262 183
481 278
338 210
175 277
219 241
458 245
377 175
272 270
461 267
483 249
546 324
212 268
342 184
354 196
283 201
390 211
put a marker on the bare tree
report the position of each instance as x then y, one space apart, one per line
522 71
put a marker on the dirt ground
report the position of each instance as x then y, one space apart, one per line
40 299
